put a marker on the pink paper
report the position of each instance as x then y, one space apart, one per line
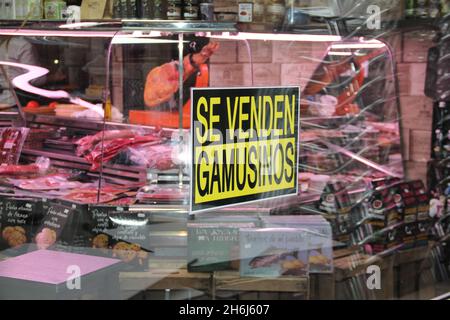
51 267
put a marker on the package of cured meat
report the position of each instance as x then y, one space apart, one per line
59 181
103 152
11 144
163 194
159 156
39 167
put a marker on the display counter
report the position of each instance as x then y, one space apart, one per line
209 160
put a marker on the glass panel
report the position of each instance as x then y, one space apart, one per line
109 163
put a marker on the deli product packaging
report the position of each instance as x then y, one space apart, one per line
384 182
320 240
408 235
129 238
274 252
422 230
18 219
11 144
387 239
100 238
213 244
336 205
60 225
408 202
385 207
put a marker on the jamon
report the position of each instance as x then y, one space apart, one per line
104 152
162 82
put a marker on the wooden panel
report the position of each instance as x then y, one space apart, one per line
322 287
426 285
411 255
351 266
161 280
232 281
406 278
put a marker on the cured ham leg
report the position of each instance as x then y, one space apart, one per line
162 81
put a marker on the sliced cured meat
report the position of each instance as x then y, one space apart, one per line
88 143
90 196
103 152
51 182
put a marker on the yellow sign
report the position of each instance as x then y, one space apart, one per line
244 145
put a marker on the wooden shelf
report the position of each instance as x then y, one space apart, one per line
228 280
211 283
164 279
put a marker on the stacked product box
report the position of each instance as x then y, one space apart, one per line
385 217
320 238
336 206
423 213
213 244
415 202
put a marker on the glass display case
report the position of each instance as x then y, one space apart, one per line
101 157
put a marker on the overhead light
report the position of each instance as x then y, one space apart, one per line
337 53
274 37
361 45
78 25
133 40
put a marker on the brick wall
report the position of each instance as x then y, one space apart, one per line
280 63
416 109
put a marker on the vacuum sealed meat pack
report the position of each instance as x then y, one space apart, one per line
11 143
